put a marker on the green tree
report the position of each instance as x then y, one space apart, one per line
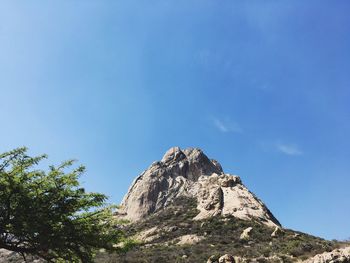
48 214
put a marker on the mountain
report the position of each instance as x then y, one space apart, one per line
185 208
190 173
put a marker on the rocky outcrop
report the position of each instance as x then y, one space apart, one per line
235 259
246 233
191 173
147 235
224 194
189 239
277 232
6 255
336 256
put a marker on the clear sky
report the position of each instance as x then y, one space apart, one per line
261 86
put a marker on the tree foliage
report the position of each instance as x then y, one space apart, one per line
48 214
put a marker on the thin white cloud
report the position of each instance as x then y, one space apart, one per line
226 125
289 149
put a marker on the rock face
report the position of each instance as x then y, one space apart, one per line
191 173
335 256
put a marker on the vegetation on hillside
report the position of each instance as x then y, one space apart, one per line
221 236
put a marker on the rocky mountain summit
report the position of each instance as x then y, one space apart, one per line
190 173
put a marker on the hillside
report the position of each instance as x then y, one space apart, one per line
185 208
172 235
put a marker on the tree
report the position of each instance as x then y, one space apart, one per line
48 214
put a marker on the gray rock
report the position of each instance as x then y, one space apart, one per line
190 173
341 255
277 232
246 233
10 256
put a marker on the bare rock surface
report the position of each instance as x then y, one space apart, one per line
191 173
341 255
10 256
246 233
235 259
6 255
277 232
148 235
189 239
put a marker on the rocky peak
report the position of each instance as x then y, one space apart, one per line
173 155
191 173
190 163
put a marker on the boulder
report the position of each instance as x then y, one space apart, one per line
277 232
227 259
189 239
246 233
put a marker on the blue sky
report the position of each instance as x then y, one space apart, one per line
261 86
